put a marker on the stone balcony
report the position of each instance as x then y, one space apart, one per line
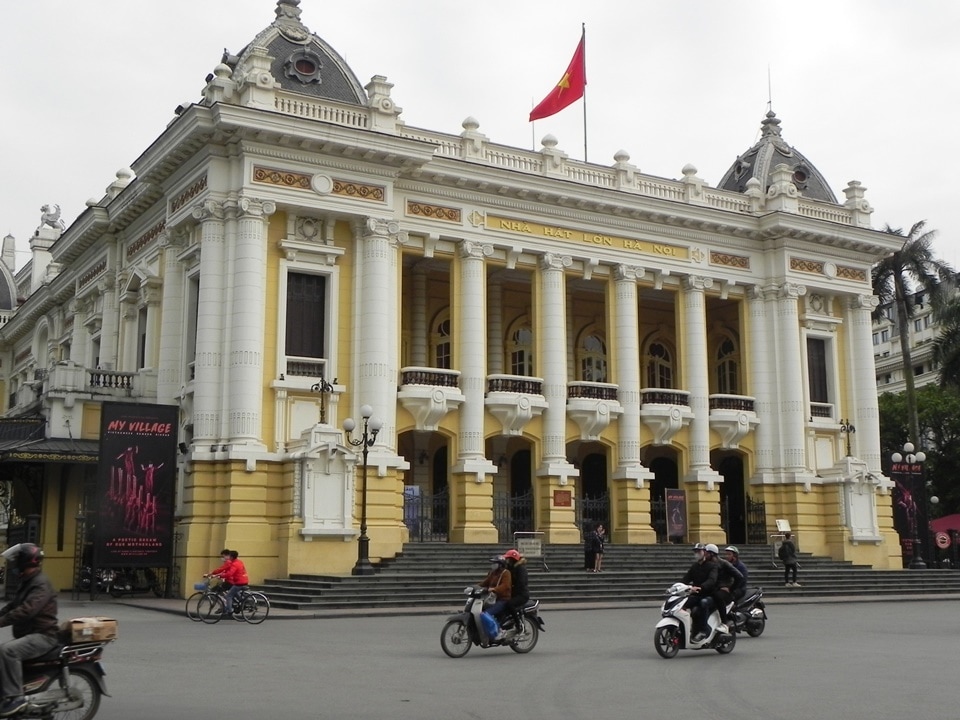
665 412
592 406
514 400
428 394
733 417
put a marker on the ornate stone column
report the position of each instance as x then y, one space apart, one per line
862 367
696 377
763 374
791 381
558 523
210 319
110 329
495 327
419 332
632 519
245 373
169 368
471 497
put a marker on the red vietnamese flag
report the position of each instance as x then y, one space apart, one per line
570 88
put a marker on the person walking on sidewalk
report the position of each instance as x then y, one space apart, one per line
788 556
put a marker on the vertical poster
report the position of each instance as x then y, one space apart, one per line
676 514
909 516
135 485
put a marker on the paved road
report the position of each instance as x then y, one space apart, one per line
856 661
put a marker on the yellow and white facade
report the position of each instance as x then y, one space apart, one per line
288 250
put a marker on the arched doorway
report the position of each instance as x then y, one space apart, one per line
593 507
733 497
666 475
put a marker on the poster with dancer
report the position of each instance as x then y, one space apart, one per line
676 514
135 485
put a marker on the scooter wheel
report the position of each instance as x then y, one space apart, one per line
755 627
455 639
725 643
667 641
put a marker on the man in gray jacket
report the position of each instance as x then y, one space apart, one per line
33 615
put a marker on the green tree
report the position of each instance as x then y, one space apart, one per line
939 420
946 348
911 269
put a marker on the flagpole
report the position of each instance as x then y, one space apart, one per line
584 59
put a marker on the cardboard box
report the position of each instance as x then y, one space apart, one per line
90 629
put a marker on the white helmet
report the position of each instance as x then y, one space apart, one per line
711 548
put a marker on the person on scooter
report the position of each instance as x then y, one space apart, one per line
520 585
702 577
733 557
730 581
33 615
499 581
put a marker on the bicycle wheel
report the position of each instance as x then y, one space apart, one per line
192 606
255 608
210 608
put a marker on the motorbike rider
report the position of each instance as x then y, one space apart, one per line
33 615
733 557
730 581
500 582
520 588
702 577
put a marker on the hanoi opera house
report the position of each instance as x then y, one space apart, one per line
546 341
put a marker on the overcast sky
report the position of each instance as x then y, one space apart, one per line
866 89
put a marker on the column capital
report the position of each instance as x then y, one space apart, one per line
371 226
470 250
254 208
207 210
628 272
791 291
696 283
864 302
552 261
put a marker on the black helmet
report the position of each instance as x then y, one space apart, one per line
24 555
499 560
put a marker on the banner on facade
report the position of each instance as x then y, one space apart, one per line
909 514
676 514
135 485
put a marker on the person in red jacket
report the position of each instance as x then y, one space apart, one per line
237 577
225 561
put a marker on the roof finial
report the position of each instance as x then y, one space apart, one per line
770 125
769 91
288 20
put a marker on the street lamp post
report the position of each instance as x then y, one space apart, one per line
908 465
847 429
371 426
324 388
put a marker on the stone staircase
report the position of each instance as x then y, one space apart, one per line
428 574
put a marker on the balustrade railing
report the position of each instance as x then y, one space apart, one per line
651 396
515 383
732 402
429 376
111 379
591 391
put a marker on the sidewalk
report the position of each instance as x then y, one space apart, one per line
178 607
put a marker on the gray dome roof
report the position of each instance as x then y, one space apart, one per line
302 62
771 150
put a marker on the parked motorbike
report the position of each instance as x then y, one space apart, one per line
465 629
134 581
750 613
67 682
104 578
676 628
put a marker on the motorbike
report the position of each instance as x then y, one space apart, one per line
749 615
466 629
104 578
67 682
676 628
134 581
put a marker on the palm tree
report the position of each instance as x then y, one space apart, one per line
911 269
946 348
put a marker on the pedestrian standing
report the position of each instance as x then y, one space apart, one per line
588 554
788 556
598 539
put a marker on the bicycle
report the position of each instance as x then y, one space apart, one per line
209 605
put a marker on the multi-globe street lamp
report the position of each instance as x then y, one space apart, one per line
908 465
371 426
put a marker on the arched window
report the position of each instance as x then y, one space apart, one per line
520 348
659 365
440 341
592 358
728 366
